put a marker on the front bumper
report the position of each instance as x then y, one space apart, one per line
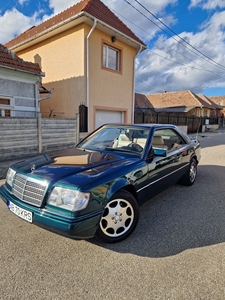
82 227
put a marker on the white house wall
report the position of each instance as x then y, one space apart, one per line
19 88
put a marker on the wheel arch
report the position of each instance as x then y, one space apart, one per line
121 185
194 156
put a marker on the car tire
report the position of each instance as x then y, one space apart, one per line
191 173
119 219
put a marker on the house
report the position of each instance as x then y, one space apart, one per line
182 108
185 102
215 109
220 100
19 85
88 55
144 110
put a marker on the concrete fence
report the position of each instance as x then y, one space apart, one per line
30 136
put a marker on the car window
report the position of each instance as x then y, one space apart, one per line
122 138
167 139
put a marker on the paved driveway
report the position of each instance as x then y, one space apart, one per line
176 252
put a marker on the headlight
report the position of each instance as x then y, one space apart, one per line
68 199
10 175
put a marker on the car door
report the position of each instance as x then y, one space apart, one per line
165 170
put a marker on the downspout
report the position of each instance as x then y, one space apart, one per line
37 94
87 70
39 125
132 113
44 98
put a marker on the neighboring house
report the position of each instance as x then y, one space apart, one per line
19 85
215 109
220 100
183 102
88 55
142 103
143 110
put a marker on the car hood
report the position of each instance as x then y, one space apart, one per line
59 165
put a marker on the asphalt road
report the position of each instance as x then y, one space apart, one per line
176 252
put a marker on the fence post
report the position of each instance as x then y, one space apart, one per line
39 132
77 118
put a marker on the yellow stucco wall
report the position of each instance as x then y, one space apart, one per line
63 59
110 89
204 112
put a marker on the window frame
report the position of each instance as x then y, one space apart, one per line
119 50
176 144
6 110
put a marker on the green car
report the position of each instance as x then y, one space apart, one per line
96 188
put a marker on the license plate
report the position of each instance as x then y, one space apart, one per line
20 212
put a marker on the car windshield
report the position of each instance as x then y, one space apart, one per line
117 138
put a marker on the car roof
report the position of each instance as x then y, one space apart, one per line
152 125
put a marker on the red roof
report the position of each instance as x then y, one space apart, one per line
93 7
142 102
11 60
206 100
174 99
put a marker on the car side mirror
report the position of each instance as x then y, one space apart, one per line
160 152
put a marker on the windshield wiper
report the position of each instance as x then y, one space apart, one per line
121 150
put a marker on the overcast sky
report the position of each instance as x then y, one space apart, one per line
185 39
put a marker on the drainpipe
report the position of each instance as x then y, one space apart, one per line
46 97
39 125
37 94
87 70
132 113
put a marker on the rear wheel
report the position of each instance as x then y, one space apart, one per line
119 219
191 174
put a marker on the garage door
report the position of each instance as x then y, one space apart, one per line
106 116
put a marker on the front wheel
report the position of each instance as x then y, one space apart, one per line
119 219
191 174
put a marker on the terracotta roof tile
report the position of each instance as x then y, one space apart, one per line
207 102
218 99
11 60
141 101
174 99
93 7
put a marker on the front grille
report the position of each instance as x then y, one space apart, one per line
29 190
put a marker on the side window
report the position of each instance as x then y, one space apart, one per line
111 58
5 108
167 138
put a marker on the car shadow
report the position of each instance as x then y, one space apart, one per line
180 218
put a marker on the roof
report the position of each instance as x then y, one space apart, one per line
175 109
218 99
94 8
207 101
181 101
9 59
174 99
142 102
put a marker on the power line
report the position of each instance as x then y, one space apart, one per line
202 68
221 66
209 60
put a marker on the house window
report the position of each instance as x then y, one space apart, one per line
5 107
5 101
111 58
